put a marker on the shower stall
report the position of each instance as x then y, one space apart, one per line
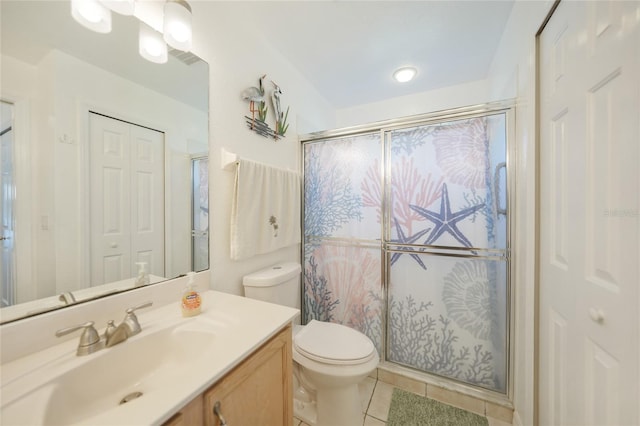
406 238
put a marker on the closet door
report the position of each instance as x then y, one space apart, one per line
589 215
127 199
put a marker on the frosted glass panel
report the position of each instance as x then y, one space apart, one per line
448 183
342 229
342 285
450 318
342 188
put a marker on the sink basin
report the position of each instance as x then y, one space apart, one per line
159 371
121 375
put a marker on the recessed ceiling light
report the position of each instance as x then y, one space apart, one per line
405 74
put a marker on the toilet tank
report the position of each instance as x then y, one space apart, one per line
279 284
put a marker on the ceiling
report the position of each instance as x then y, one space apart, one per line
349 49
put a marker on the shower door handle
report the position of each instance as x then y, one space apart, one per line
496 188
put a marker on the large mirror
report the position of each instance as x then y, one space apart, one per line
104 161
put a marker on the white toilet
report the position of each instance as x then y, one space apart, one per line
329 359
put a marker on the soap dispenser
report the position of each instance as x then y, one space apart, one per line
191 301
143 275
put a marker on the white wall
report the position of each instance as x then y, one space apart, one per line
472 93
512 75
237 57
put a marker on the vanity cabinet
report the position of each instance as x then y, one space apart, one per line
259 391
190 415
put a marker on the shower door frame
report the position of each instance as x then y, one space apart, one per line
384 128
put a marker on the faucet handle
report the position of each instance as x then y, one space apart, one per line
132 320
89 339
111 327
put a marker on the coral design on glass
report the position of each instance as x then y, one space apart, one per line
409 186
420 340
461 150
371 190
466 297
345 288
329 199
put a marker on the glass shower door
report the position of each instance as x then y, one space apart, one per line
200 213
342 233
446 249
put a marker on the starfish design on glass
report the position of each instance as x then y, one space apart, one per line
403 239
446 221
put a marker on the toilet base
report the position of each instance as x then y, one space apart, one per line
339 406
305 411
333 407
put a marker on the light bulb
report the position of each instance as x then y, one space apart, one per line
92 15
151 46
177 24
404 74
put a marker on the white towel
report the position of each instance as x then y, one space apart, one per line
265 211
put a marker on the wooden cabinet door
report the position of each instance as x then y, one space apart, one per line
258 391
190 415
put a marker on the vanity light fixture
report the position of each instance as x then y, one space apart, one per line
404 74
123 7
91 14
177 24
151 45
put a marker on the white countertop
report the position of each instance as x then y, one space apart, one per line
246 325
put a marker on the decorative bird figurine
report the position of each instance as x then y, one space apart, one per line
253 95
275 99
281 119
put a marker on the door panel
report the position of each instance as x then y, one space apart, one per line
110 200
147 192
589 214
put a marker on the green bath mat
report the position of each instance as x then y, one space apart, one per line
409 409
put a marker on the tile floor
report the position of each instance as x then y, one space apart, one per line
376 397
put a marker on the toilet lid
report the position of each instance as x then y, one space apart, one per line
333 343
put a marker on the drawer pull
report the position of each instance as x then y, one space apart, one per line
218 412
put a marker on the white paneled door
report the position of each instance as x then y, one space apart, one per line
590 215
127 199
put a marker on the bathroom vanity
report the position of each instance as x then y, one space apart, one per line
236 353
256 392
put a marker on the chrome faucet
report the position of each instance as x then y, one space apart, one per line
130 326
90 340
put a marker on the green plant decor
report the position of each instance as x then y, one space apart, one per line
281 125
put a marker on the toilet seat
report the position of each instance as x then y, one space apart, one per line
333 344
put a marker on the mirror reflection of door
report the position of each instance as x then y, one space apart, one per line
127 199
200 220
7 195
